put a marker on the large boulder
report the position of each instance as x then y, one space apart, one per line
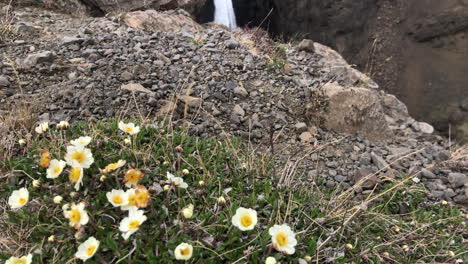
170 21
356 111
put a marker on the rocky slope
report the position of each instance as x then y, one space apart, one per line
312 105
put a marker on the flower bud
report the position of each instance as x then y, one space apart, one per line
78 235
451 254
51 238
270 260
386 254
308 258
185 171
188 211
349 246
221 200
405 248
179 149
201 183
22 142
58 199
167 187
166 163
36 183
396 229
63 125
73 194
444 202
127 141
103 178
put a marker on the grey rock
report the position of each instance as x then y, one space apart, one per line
379 161
4 81
240 91
461 199
126 76
232 44
38 58
306 137
457 179
428 174
307 45
67 40
301 127
369 174
449 193
340 178
238 110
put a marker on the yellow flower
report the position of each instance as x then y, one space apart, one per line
270 260
18 198
444 202
76 216
81 141
45 159
58 199
55 168
130 224
349 246
113 166
79 157
76 177
42 128
245 219
176 181
117 198
283 238
167 187
87 249
142 196
188 211
22 260
183 251
451 254
51 238
129 128
63 125
132 176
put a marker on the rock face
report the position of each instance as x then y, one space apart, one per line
413 49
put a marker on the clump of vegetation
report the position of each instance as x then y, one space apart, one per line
115 192
7 29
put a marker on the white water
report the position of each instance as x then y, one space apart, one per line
224 13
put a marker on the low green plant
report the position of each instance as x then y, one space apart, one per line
328 228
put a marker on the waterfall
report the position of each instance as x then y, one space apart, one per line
224 13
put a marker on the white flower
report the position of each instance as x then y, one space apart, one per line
183 251
76 177
185 171
188 211
42 127
270 260
245 219
131 200
63 125
177 181
77 215
87 249
58 199
22 142
18 198
127 141
23 260
79 157
132 222
129 128
117 198
81 141
55 168
283 238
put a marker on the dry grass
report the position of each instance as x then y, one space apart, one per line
7 30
